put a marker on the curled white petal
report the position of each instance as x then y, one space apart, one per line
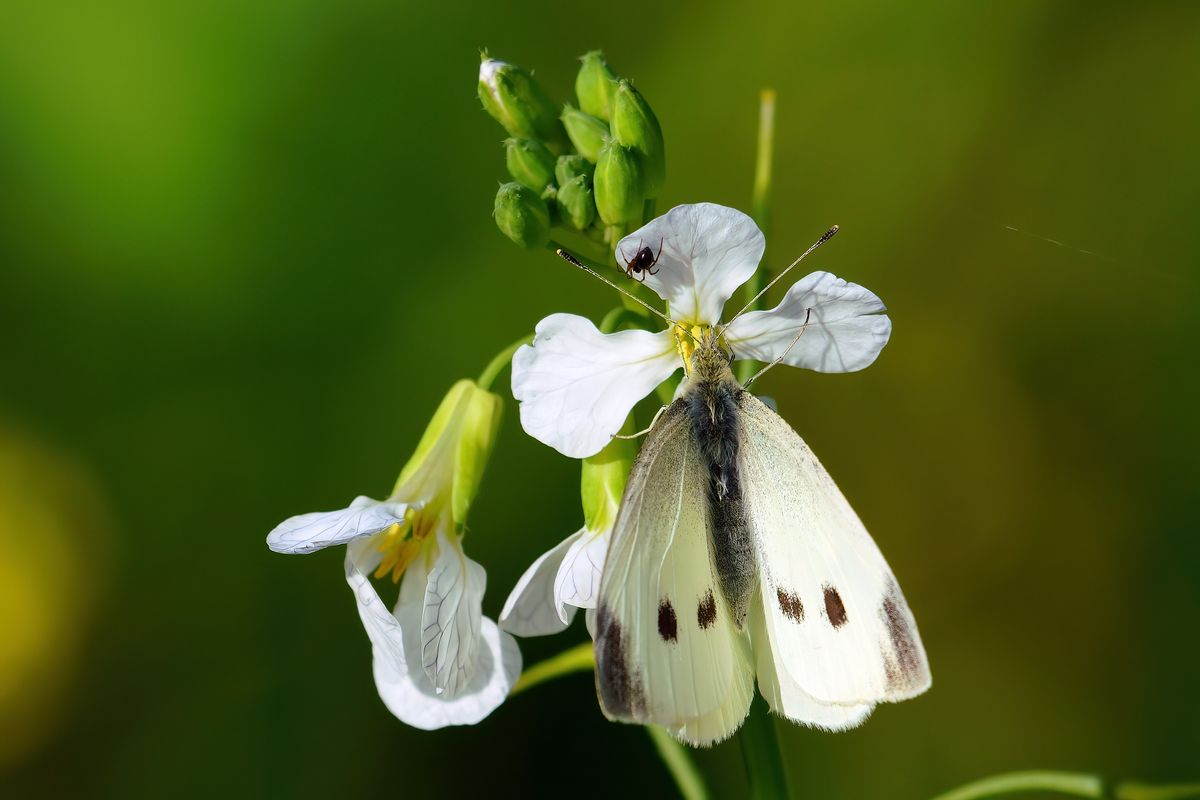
845 330
450 617
531 609
308 532
707 251
577 385
411 697
362 557
578 580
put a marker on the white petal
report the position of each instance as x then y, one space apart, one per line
577 385
707 252
845 330
309 532
450 617
411 697
578 580
362 557
530 609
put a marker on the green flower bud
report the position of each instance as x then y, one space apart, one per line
577 203
529 162
618 185
634 125
522 216
603 482
595 85
571 166
550 198
520 104
587 133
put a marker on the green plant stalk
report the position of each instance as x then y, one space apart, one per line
1073 784
759 742
499 362
577 659
760 205
679 764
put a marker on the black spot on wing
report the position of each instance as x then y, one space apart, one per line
835 609
905 665
667 624
706 610
790 605
618 684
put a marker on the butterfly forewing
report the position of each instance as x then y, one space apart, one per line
838 629
667 650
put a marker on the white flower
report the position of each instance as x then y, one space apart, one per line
437 660
576 385
567 578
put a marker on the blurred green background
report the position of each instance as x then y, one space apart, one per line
245 247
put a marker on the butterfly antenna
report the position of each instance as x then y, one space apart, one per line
783 355
825 237
573 261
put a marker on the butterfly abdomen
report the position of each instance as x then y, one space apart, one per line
713 412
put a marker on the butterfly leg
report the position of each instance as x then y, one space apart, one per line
642 433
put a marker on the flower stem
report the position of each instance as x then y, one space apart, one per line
499 362
679 764
760 752
1075 784
760 204
577 659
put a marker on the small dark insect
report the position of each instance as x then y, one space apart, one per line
643 262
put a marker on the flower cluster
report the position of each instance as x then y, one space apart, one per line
589 169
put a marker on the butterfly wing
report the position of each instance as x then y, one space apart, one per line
667 649
837 629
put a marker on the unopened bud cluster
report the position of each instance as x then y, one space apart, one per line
589 168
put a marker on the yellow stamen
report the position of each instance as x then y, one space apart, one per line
402 542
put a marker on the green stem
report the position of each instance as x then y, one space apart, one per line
760 752
679 764
760 204
577 659
499 362
1075 784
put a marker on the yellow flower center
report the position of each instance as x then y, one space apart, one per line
402 542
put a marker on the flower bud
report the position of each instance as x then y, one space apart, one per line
520 104
577 203
529 162
595 85
634 125
603 482
521 215
586 132
618 185
571 166
550 198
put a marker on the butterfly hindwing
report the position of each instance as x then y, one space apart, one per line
838 628
667 649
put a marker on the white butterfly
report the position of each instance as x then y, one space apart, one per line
734 556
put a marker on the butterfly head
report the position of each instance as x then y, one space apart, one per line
705 354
